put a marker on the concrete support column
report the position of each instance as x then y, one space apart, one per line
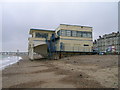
31 56
31 53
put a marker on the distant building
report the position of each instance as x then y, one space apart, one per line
14 53
64 39
108 43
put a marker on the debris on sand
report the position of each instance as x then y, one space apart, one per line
68 59
81 75
56 67
75 62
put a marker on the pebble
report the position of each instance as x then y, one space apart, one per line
80 75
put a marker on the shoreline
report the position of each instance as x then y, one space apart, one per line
9 60
72 72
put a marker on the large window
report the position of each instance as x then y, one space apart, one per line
68 33
79 34
89 34
74 33
41 35
84 34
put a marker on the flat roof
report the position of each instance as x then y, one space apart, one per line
75 25
50 30
42 29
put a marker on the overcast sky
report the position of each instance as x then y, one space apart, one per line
18 18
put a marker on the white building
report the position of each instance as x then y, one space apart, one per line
108 43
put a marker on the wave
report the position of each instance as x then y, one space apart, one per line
9 61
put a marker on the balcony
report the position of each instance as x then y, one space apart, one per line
37 41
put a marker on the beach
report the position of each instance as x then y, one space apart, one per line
82 71
8 60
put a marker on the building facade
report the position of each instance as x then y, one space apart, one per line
37 42
108 43
74 38
65 38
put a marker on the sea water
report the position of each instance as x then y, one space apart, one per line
6 60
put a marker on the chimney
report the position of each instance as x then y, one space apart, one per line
99 36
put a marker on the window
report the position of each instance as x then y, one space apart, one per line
79 34
41 35
74 33
86 45
84 34
89 34
63 33
68 33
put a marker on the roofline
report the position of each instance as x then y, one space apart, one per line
42 29
76 25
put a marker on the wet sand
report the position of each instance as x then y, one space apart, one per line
83 71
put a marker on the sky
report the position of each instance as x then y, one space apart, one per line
19 17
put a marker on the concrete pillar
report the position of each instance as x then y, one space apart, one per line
31 57
31 52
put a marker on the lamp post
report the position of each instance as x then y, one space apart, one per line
18 56
17 52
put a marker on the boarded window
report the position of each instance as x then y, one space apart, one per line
41 35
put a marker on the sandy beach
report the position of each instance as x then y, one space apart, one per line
83 71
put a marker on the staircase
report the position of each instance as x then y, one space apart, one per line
51 46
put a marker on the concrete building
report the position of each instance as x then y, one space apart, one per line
64 39
37 43
74 38
108 43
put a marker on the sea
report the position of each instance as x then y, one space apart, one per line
7 60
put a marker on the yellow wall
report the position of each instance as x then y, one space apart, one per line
31 39
75 43
71 27
48 32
